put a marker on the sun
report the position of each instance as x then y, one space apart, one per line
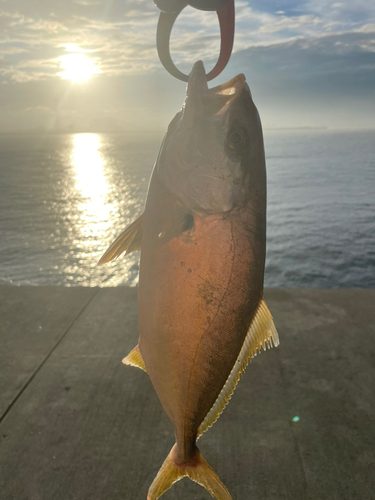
77 67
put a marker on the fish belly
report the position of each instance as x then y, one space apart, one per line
197 296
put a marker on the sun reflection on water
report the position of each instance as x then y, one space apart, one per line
97 211
89 167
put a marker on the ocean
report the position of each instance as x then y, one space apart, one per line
64 198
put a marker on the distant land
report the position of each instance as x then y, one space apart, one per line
296 128
119 130
42 131
99 130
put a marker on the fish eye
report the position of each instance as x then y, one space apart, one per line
235 138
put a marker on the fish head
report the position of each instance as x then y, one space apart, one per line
213 149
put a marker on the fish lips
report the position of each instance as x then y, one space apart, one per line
201 101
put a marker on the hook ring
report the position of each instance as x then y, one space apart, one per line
166 21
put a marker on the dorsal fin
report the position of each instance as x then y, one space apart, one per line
134 358
128 241
262 333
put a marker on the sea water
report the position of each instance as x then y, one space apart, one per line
64 198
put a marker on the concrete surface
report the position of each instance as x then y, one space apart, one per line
77 424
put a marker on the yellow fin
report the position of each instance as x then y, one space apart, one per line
262 333
134 358
197 470
128 241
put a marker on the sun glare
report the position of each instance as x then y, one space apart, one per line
77 67
89 167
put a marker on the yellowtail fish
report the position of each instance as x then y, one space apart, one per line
202 238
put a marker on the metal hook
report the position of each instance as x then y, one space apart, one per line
167 19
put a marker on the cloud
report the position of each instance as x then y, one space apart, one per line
88 3
312 51
43 39
367 28
120 35
292 23
325 81
8 50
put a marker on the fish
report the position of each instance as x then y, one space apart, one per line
202 238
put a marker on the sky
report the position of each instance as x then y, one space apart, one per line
308 63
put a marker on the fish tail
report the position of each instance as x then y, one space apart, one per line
197 469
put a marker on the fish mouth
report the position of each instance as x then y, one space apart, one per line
232 86
197 82
211 102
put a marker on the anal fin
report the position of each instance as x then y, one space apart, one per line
134 358
128 241
262 334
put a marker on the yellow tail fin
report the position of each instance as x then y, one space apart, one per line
197 470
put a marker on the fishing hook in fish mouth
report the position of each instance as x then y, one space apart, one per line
171 10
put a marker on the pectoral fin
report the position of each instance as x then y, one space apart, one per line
128 241
262 333
134 358
182 221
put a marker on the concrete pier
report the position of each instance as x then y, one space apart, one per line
75 423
